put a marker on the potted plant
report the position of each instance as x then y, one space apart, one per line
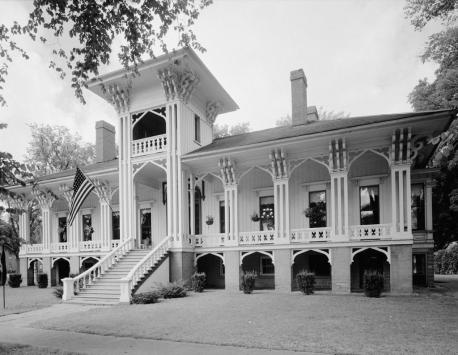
248 280
198 280
14 280
42 280
255 217
306 282
373 283
209 220
316 213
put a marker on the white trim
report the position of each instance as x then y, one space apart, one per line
197 256
387 252
245 254
327 254
58 258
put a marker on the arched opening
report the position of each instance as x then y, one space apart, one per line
310 190
213 267
87 263
209 213
59 271
263 265
149 124
315 262
35 267
369 260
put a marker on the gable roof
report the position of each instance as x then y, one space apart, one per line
315 127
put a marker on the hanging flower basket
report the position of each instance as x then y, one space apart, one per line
255 217
209 220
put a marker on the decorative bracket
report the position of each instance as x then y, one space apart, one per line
338 155
119 98
401 146
279 165
212 110
227 171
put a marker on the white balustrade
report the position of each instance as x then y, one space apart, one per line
59 247
306 235
371 231
87 278
257 237
90 245
31 248
114 243
149 145
208 240
143 266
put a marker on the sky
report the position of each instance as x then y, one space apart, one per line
359 56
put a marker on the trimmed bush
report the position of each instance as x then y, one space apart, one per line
145 298
14 280
373 283
42 280
446 260
198 280
172 290
248 280
306 282
58 291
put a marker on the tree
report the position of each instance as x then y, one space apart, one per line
422 11
90 29
220 131
323 115
54 149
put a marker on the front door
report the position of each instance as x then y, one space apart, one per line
145 228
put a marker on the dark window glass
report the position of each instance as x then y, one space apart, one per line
115 224
369 205
222 218
267 267
267 213
87 227
317 209
418 207
197 128
62 229
198 210
145 225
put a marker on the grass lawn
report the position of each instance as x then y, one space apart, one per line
17 349
318 323
23 299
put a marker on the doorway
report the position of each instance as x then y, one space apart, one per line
145 228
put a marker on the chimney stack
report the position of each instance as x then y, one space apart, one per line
299 97
105 145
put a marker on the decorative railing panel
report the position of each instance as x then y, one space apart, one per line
370 231
90 245
31 248
114 243
149 145
208 240
257 237
59 247
306 235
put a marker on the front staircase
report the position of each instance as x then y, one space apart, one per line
116 276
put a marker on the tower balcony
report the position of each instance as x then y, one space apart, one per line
149 145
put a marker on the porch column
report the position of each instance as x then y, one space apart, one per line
281 203
74 233
339 204
231 212
192 204
401 199
45 201
104 192
429 206
22 206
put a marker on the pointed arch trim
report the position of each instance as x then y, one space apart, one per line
59 258
321 251
244 254
306 160
367 151
198 256
386 252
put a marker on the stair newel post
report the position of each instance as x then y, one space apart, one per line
125 286
68 289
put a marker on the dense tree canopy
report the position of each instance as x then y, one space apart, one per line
224 130
89 30
54 149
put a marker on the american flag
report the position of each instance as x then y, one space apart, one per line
82 186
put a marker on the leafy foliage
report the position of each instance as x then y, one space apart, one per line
58 291
248 281
145 298
91 27
172 290
373 283
446 260
422 11
220 131
305 282
198 280
54 149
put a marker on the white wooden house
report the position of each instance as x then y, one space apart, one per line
182 201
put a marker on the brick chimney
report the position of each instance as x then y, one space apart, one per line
301 114
105 145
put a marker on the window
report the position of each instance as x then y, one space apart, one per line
62 229
145 226
418 207
267 268
115 224
419 269
222 217
369 205
87 227
317 209
197 128
267 213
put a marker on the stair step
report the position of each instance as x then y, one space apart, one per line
94 301
102 293
97 296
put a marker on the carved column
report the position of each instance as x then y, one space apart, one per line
74 231
339 189
231 226
21 204
105 193
280 171
45 201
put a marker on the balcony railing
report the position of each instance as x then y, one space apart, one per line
257 237
31 249
155 144
370 231
90 245
306 235
208 240
59 247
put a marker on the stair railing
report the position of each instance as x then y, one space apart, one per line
72 285
141 268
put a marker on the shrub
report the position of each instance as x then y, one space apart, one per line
172 290
42 280
58 292
438 266
14 280
306 282
248 280
446 260
373 283
198 280
145 297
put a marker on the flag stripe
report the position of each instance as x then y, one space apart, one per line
82 187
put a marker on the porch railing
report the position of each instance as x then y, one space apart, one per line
59 247
310 235
31 248
257 237
87 278
149 145
370 231
90 245
208 240
141 268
